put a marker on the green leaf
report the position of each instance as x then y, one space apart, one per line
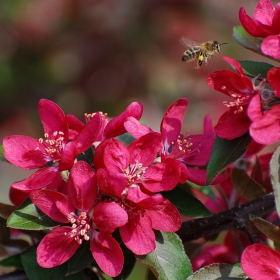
2 157
218 271
81 259
255 68
168 261
36 272
275 177
245 185
224 153
29 217
13 261
187 204
246 40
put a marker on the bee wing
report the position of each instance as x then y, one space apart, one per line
187 42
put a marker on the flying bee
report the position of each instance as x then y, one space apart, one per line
203 51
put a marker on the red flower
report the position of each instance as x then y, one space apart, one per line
146 213
62 242
261 262
119 167
235 122
182 150
53 155
125 173
264 111
265 24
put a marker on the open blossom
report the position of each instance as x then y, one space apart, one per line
260 262
145 213
62 242
130 175
264 24
53 154
119 167
264 111
234 122
182 150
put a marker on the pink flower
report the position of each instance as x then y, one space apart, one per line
235 122
52 155
264 111
119 167
146 212
182 150
261 262
62 242
130 175
265 24
109 128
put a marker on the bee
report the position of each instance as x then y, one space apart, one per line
203 51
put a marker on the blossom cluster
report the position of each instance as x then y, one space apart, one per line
93 184
101 189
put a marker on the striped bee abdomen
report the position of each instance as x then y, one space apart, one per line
191 54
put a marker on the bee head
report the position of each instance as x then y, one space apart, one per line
216 46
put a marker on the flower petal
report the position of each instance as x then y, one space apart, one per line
37 180
145 149
111 183
136 128
265 126
108 216
46 201
53 118
138 235
88 134
271 46
165 216
200 150
264 12
116 127
261 262
82 188
107 253
273 78
171 123
231 125
56 248
254 27
162 176
24 151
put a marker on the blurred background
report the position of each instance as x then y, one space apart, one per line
92 56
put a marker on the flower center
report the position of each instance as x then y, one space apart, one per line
182 146
88 117
240 101
134 172
132 210
54 144
80 226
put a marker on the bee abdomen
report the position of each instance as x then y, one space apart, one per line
190 54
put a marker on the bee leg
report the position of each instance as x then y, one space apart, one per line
200 60
206 57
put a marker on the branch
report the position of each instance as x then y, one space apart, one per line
226 220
